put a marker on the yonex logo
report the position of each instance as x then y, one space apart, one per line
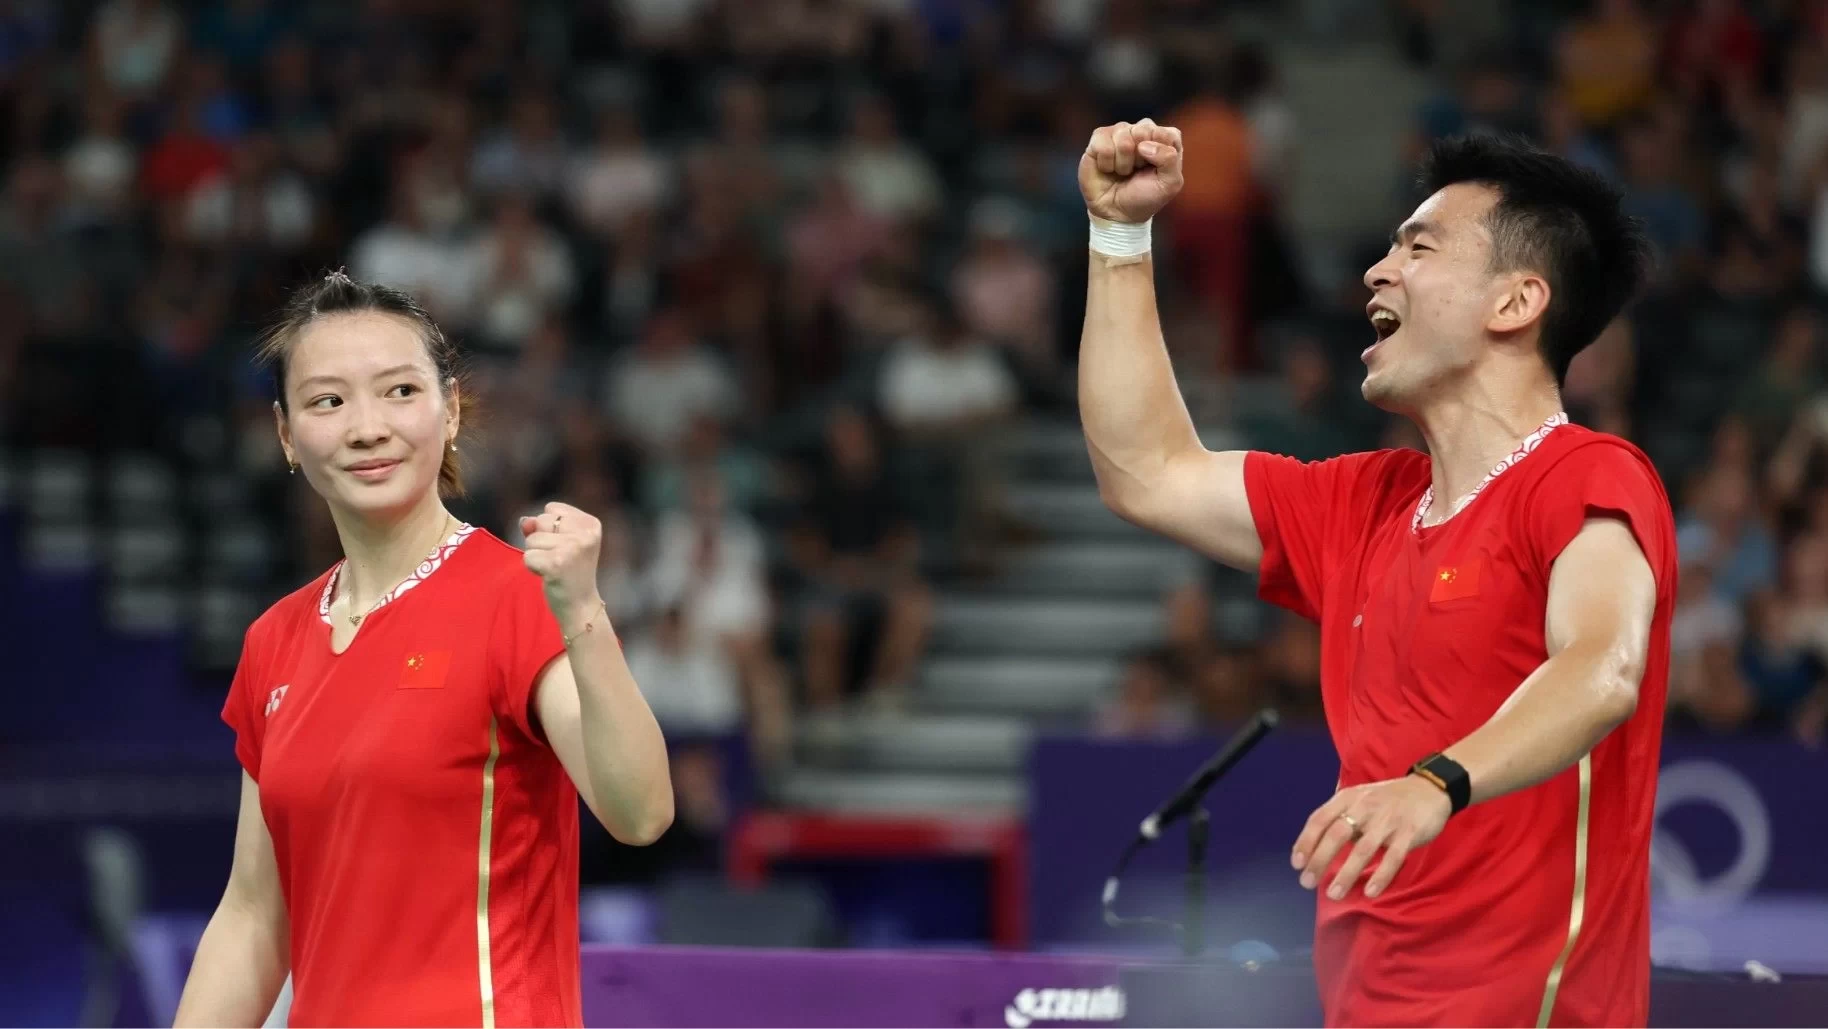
1100 1005
274 698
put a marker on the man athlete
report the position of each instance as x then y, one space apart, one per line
1494 614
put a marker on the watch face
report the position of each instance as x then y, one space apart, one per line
1447 775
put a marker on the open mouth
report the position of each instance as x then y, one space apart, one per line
1385 323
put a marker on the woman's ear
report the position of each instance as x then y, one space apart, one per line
453 415
285 435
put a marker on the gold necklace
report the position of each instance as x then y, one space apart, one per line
356 619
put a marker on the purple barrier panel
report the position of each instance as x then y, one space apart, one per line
679 987
1738 818
682 987
1785 931
1695 1003
688 987
1203 995
1086 798
1171 994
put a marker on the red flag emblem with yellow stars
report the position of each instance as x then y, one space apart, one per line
1455 582
425 670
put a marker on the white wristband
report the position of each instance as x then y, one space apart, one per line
1119 239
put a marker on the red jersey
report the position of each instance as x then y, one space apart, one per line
1533 908
426 835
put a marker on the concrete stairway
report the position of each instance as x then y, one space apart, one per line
1036 646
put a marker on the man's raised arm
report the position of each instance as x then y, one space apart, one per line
1152 468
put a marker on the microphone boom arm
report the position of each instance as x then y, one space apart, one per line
1184 801
1179 806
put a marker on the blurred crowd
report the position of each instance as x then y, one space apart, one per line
755 279
752 280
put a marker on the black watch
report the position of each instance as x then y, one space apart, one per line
1447 774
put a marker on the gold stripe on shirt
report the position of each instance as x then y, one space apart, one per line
1578 909
484 840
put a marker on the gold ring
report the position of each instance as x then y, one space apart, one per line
1353 822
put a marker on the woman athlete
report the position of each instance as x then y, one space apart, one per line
415 726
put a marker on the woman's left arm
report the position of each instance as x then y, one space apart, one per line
592 712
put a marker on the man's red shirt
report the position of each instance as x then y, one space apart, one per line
1533 905
426 835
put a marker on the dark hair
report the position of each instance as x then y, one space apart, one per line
1557 218
337 293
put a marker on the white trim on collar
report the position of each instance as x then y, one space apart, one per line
432 563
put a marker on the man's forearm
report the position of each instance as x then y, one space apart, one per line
623 746
237 972
1135 419
1559 714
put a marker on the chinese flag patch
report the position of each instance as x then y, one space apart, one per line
1454 582
425 670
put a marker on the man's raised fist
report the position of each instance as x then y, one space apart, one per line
1130 171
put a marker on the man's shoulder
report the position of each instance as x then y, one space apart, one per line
1576 449
1394 471
1354 476
1395 463
1581 473
1371 487
1572 437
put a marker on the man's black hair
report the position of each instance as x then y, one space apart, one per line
1556 218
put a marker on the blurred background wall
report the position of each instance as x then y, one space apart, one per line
788 292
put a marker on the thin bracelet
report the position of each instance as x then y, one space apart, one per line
589 623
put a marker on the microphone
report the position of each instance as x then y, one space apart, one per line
1189 795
